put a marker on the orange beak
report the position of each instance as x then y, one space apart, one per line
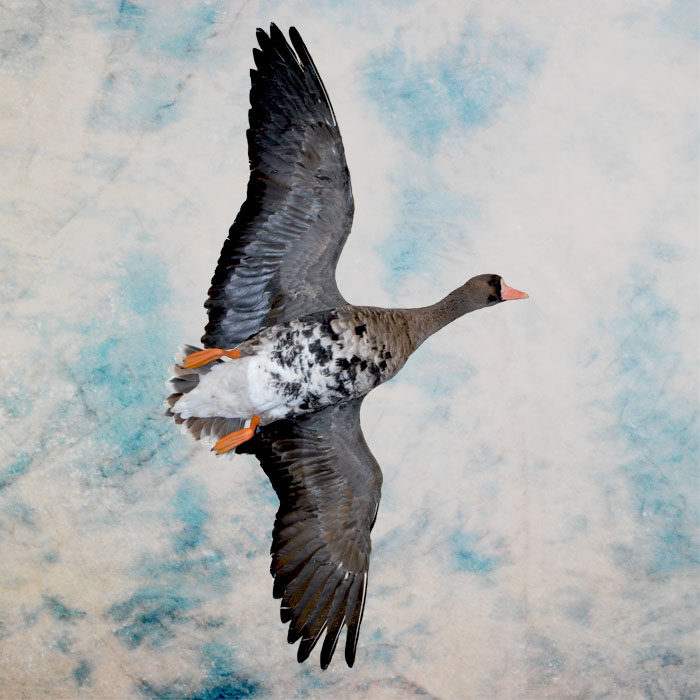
508 293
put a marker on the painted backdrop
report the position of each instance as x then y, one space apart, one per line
538 533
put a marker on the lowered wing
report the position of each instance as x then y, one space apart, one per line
279 259
329 485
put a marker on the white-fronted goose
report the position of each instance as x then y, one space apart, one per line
285 351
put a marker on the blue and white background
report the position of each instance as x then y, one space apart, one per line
538 533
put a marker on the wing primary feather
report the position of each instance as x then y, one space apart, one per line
308 62
285 613
351 602
304 609
330 642
336 618
308 643
318 624
354 621
295 590
292 633
281 46
278 586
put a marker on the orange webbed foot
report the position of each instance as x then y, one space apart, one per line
204 357
232 440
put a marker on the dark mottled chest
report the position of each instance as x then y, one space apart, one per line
325 358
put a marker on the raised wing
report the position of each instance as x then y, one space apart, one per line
279 259
329 487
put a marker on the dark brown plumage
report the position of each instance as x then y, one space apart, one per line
288 235
274 292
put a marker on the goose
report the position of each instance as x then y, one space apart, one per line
286 361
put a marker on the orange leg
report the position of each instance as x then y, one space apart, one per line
204 357
233 440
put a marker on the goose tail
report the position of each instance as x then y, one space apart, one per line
182 381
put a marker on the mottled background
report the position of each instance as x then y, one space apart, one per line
538 534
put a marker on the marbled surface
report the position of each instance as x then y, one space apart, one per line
538 534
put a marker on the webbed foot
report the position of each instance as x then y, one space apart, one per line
238 437
204 357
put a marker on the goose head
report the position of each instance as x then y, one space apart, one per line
488 290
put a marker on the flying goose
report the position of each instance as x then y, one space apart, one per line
287 355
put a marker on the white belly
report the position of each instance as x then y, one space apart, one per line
253 385
233 389
294 369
